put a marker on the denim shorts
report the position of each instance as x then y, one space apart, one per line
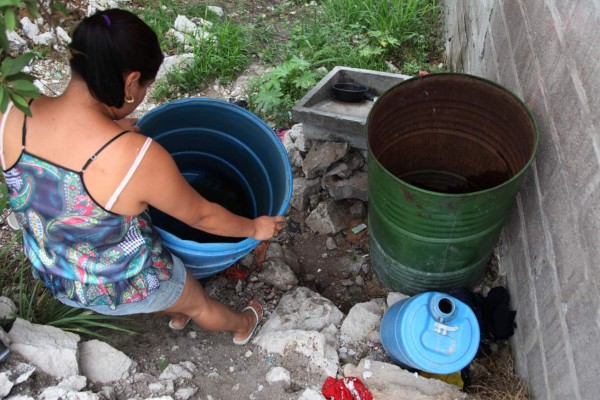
162 298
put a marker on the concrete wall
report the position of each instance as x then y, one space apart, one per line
548 53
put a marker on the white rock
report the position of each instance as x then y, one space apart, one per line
102 363
43 39
16 42
329 217
390 382
48 348
311 394
165 387
107 393
330 243
218 11
279 374
5 384
75 383
22 371
4 337
293 153
175 371
179 36
362 322
310 344
190 366
176 62
302 309
183 24
394 297
302 144
278 274
40 84
202 22
29 28
63 35
58 393
185 393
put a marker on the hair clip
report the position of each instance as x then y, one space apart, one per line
106 19
76 52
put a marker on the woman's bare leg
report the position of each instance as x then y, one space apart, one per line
211 314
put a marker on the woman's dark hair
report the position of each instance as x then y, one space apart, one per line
109 44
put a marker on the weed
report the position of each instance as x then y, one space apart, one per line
360 34
221 50
273 94
162 362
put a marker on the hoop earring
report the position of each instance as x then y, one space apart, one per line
129 99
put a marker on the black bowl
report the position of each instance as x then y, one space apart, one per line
349 92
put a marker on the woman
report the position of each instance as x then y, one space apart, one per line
81 179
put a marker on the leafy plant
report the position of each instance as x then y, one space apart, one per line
162 362
273 94
16 85
3 196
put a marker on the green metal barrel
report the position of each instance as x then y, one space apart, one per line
447 154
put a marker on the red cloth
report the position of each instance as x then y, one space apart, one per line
281 133
345 389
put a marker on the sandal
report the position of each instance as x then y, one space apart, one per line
258 315
179 328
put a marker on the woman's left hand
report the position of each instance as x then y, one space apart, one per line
128 124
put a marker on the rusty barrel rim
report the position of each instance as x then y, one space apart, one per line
508 182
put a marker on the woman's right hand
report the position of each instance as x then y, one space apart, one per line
266 227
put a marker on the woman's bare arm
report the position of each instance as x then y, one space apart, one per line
160 184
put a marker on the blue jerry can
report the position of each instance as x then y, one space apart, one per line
431 332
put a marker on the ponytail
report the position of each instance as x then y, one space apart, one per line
109 44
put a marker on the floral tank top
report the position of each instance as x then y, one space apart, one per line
80 250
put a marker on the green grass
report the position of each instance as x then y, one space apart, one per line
223 55
366 34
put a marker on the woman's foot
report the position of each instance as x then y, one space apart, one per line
252 314
179 323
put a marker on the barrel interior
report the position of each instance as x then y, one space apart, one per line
451 133
217 181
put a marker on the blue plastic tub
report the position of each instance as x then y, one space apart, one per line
231 157
431 332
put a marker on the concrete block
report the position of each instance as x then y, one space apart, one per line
582 170
580 27
520 284
533 217
490 69
565 10
538 388
325 118
589 223
547 159
568 251
525 60
565 107
544 39
513 15
582 323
